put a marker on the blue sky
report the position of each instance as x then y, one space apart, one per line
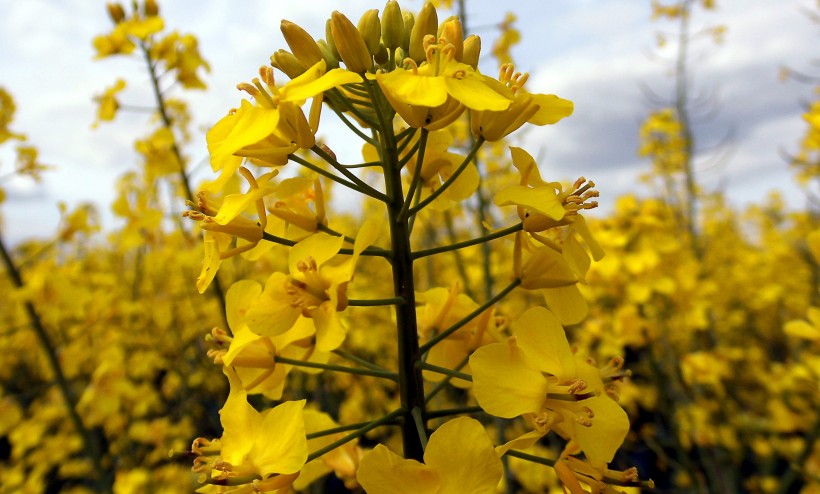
596 53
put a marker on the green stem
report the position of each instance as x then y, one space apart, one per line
449 412
337 368
336 430
348 174
386 420
550 462
414 183
369 251
92 449
375 302
468 243
420 427
455 327
443 383
310 166
411 384
357 360
447 183
446 372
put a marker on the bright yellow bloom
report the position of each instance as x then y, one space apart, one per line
434 94
536 374
342 461
459 458
271 445
315 288
108 103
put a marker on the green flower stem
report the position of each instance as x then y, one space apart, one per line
455 327
337 97
408 155
336 430
357 360
449 412
388 419
414 183
405 137
468 243
445 371
467 159
421 429
351 126
350 176
90 445
370 251
369 164
443 383
375 302
411 384
307 164
337 368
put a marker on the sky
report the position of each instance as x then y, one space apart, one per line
601 54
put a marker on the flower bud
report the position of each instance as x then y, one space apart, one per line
301 44
381 57
327 54
287 63
350 43
151 8
426 23
452 32
331 44
371 30
472 50
392 25
409 21
116 12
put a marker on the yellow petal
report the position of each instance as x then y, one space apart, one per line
551 109
609 427
475 94
272 313
540 199
329 330
319 246
567 303
464 457
505 383
249 125
297 90
240 422
281 445
383 472
542 338
412 89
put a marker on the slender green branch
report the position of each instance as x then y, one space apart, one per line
646 484
408 155
357 360
336 430
414 183
447 183
91 447
455 327
449 412
369 164
338 96
375 302
445 371
307 164
443 383
351 126
369 251
421 429
337 368
388 419
347 173
468 243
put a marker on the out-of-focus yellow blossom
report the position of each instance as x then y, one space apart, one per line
28 163
342 461
7 109
459 458
805 329
108 103
509 37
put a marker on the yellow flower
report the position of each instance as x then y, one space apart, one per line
434 94
536 374
459 458
271 445
108 103
536 109
315 288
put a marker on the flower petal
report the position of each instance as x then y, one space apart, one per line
383 472
464 457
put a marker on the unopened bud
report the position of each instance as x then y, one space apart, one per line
409 20
452 32
472 50
287 63
331 61
370 28
115 12
392 25
301 44
350 44
426 23
151 8
381 57
331 44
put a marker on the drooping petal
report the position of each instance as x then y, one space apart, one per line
539 199
383 472
464 457
319 246
475 94
409 88
505 383
329 330
542 338
240 422
298 90
610 425
567 303
249 125
281 444
551 109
